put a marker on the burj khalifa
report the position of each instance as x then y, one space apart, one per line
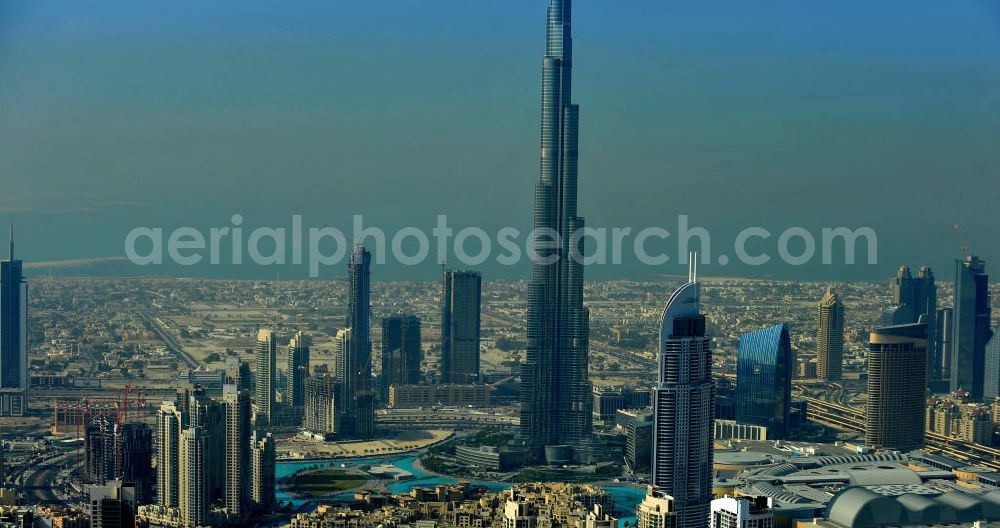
556 396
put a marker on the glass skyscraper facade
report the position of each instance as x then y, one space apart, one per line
970 328
401 352
461 308
13 336
555 398
764 379
358 419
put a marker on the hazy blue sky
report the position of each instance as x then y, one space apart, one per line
118 114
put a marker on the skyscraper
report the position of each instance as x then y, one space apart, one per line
764 379
945 319
830 337
321 415
913 298
359 400
262 471
991 375
193 481
113 505
897 387
461 309
168 446
13 336
683 404
237 449
401 352
298 369
136 454
555 388
971 326
267 351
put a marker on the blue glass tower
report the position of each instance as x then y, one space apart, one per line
13 336
555 389
971 326
764 379
358 419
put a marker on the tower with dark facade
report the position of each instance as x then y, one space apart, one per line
460 326
13 336
358 418
401 352
970 328
556 394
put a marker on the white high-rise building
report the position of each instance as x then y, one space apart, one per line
169 422
742 512
683 401
193 482
237 448
267 351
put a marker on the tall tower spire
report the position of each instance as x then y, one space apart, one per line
10 252
556 393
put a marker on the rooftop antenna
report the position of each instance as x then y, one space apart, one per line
694 259
11 251
965 245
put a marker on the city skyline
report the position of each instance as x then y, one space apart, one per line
777 136
705 126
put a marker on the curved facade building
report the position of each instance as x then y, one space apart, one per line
683 403
897 387
555 398
764 379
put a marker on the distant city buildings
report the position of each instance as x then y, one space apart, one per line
411 396
897 387
970 329
13 336
461 309
401 352
683 408
915 300
764 379
830 337
609 400
555 386
266 359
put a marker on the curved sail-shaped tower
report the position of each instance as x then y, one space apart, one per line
683 405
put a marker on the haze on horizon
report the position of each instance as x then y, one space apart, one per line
121 114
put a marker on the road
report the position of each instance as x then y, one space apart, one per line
40 479
169 340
